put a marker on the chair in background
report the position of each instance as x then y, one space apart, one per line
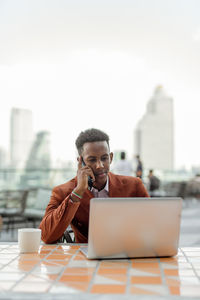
36 204
12 206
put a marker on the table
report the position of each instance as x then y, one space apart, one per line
61 271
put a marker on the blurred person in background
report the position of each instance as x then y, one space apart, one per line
139 167
153 184
1 222
123 166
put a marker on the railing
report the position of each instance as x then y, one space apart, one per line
172 184
34 178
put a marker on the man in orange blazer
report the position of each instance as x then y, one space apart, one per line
70 202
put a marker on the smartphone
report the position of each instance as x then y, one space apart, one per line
90 180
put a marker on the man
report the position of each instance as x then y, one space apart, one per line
70 202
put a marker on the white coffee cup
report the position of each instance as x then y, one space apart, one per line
29 239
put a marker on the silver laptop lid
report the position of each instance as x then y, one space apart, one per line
134 227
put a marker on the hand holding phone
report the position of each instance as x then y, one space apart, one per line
85 177
90 180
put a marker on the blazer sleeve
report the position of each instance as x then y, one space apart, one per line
58 215
141 190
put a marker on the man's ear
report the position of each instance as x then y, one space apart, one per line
111 157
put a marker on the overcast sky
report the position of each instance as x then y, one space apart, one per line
81 64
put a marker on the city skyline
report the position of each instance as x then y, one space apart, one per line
78 65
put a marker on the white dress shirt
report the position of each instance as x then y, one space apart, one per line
103 193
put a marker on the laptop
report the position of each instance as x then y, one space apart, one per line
133 227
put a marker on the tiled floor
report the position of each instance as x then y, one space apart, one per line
58 269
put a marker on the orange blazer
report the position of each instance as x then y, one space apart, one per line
61 211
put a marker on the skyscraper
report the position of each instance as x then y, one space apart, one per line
154 133
21 136
37 170
39 156
3 158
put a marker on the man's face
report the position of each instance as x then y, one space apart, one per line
97 156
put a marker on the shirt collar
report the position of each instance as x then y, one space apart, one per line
106 187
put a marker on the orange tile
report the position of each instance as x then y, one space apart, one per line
174 290
80 286
108 289
43 256
60 262
50 247
113 264
145 265
173 282
44 252
103 271
75 278
30 256
70 251
171 260
152 260
68 247
139 291
80 256
59 256
171 272
148 270
28 262
62 247
47 263
74 247
146 280
26 267
79 271
116 277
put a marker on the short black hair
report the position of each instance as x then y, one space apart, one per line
89 136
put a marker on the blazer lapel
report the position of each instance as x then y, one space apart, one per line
114 186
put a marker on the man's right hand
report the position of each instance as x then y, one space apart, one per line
82 177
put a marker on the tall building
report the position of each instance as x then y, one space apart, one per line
39 157
3 158
21 136
37 171
154 133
